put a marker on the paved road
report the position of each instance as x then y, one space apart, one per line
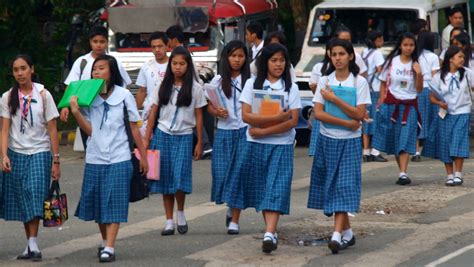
429 224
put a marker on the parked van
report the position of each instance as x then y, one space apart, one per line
391 17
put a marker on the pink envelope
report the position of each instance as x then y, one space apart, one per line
153 157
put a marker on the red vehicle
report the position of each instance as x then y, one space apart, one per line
208 26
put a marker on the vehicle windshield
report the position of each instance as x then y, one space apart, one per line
391 22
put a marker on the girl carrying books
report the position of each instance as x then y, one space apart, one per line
30 150
401 80
271 139
339 104
429 64
451 92
374 60
177 105
108 170
230 142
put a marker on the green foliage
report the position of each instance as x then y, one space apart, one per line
41 29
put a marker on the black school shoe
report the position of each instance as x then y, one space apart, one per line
110 258
183 229
416 158
348 243
36 256
334 246
167 232
404 180
268 245
367 158
378 158
26 256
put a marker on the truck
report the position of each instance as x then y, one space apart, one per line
391 17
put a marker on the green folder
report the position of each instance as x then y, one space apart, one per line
85 90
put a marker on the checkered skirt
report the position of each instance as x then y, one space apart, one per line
230 154
26 186
105 192
268 187
425 108
431 142
369 128
393 137
454 137
175 163
336 175
314 137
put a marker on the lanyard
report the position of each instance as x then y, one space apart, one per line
234 85
26 101
175 116
104 115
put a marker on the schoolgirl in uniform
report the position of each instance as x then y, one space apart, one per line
374 60
463 41
230 141
268 188
178 106
451 92
455 31
429 64
401 80
336 173
108 169
29 136
316 74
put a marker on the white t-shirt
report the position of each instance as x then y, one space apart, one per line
234 107
428 62
108 142
292 98
375 59
87 71
360 62
36 136
362 95
401 80
454 93
446 36
182 120
151 74
316 73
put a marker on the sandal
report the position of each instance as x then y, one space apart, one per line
458 181
106 256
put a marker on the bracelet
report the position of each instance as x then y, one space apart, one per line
56 155
56 162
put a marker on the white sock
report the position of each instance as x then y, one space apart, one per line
375 152
366 152
458 174
110 250
169 224
229 212
26 249
450 176
403 174
269 235
417 153
33 244
347 234
233 226
336 236
181 218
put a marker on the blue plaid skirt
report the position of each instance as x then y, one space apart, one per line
230 154
425 108
105 192
26 187
314 137
454 137
369 128
268 187
176 157
336 176
393 137
431 142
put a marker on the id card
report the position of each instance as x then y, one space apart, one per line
404 85
442 113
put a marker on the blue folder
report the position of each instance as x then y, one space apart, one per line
348 95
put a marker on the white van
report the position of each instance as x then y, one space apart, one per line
391 17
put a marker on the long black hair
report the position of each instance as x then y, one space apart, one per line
425 41
371 37
398 51
262 65
115 77
14 101
353 68
185 95
445 67
465 40
225 70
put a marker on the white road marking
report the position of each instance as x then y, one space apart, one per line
450 256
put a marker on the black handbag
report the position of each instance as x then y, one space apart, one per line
139 183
